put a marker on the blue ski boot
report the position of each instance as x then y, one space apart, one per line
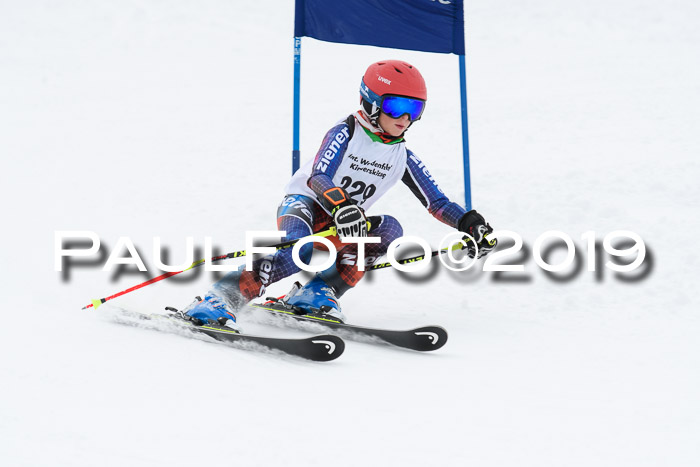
315 298
212 310
226 297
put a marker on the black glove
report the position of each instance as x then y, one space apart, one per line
350 220
474 224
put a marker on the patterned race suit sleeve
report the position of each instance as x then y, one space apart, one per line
328 158
424 187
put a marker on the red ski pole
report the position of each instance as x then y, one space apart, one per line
235 254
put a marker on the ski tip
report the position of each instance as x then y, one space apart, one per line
429 338
326 347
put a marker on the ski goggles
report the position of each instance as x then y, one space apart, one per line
396 106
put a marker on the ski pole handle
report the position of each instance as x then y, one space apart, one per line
234 254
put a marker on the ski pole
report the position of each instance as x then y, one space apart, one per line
235 254
456 246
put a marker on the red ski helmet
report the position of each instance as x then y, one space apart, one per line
390 77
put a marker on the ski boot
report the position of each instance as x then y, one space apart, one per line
226 297
212 310
316 299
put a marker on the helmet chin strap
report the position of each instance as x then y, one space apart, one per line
372 121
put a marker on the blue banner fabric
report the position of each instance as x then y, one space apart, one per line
425 25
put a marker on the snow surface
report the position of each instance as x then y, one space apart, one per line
151 118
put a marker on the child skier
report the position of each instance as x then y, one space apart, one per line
360 158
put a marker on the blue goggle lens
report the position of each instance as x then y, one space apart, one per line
395 106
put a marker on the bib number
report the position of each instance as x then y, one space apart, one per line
357 188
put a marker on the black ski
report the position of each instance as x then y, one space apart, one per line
423 339
321 348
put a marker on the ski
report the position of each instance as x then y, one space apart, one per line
320 348
422 339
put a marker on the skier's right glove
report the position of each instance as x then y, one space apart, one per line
350 220
475 225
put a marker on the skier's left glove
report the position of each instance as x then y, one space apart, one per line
475 225
349 219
